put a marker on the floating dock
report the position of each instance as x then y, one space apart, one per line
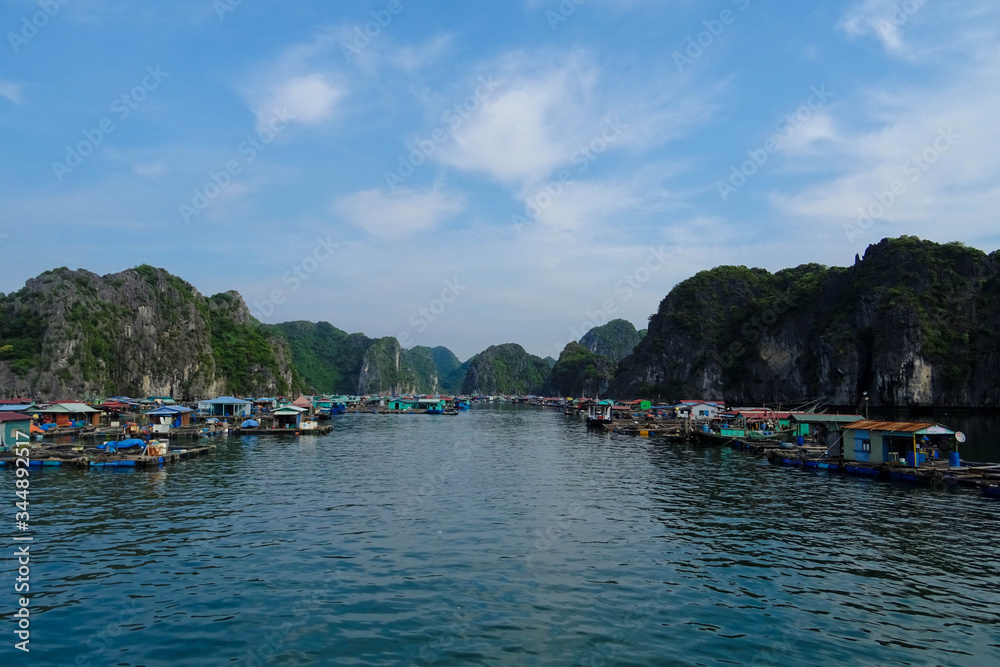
936 474
322 430
41 457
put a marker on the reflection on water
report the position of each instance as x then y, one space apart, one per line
506 535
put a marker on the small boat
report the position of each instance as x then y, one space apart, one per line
599 415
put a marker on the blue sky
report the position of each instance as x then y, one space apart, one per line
466 174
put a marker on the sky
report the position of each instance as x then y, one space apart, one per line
470 173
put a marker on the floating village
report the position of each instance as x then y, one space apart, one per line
157 430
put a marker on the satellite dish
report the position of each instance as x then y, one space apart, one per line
960 436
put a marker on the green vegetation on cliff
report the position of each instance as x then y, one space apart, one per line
327 359
142 331
580 372
506 370
912 323
614 340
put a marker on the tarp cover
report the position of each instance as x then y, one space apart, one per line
249 423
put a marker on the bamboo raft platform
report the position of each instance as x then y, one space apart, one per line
43 457
322 430
936 474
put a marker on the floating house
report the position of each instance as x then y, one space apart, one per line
225 406
265 404
169 416
826 430
67 415
433 405
892 442
14 428
697 409
403 404
289 416
304 402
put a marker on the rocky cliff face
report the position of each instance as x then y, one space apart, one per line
384 371
139 332
506 370
614 340
913 323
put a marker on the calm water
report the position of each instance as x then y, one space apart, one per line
506 535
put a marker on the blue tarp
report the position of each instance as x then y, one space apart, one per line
111 445
249 423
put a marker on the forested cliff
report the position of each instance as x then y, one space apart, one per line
911 323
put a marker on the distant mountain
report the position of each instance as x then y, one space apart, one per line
580 372
506 370
384 370
141 332
434 370
327 359
614 340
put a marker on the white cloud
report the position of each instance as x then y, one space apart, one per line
550 106
929 141
401 214
527 128
309 99
11 91
302 82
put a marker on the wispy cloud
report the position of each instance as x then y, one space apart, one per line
12 91
406 212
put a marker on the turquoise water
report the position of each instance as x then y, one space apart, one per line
506 535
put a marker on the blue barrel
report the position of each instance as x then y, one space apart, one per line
910 461
954 460
704 427
799 440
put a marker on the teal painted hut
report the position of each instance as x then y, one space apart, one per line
14 428
403 404
288 416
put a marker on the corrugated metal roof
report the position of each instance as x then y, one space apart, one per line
67 408
899 427
821 418
13 417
